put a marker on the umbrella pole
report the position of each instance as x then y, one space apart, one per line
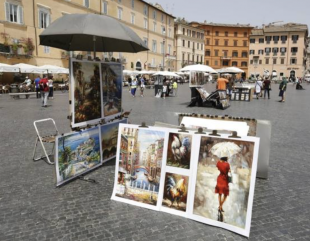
94 39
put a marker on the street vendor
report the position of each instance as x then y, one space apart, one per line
221 83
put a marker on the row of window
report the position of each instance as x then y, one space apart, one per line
275 39
294 50
192 45
244 54
192 33
226 42
192 58
227 63
274 61
226 33
162 47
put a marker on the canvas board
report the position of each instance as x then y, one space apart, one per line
77 153
208 182
111 79
85 92
109 135
196 79
138 168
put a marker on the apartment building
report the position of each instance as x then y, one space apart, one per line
22 21
189 44
279 48
226 45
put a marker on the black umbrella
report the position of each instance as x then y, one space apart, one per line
91 32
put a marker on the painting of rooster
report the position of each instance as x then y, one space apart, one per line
179 150
175 191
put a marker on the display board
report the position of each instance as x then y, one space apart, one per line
96 91
196 79
183 173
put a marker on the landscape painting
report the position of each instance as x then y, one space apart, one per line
77 153
224 179
86 92
140 156
109 135
175 192
111 88
179 150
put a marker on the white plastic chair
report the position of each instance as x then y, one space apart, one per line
49 139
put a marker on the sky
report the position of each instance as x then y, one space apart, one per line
254 12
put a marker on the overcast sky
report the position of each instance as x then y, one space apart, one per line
254 12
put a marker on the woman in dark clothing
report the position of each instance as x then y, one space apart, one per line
267 88
222 187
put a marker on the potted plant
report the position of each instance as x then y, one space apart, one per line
28 46
14 48
6 38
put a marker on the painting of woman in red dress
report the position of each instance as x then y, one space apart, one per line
222 187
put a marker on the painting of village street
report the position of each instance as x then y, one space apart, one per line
212 180
109 134
111 88
87 99
77 153
179 150
175 191
140 164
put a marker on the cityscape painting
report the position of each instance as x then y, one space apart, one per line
109 134
140 156
77 153
111 88
175 192
179 150
86 92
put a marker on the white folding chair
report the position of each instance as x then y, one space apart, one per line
48 139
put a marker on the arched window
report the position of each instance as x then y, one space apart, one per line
138 65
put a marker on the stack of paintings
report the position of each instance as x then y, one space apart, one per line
188 174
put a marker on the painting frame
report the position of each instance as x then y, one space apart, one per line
196 79
60 181
243 231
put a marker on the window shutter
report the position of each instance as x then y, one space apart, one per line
7 11
40 19
21 14
49 20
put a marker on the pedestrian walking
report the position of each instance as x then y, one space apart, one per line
36 82
282 88
44 90
133 87
258 88
142 86
230 86
50 86
165 87
175 88
129 83
267 87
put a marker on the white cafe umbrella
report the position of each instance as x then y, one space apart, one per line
230 70
166 73
27 68
129 72
146 72
225 149
53 69
199 67
8 68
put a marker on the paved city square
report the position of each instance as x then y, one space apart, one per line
32 208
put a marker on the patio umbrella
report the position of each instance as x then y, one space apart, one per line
8 68
28 68
230 70
199 67
91 32
52 69
166 73
225 149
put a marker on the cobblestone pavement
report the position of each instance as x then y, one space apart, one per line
31 208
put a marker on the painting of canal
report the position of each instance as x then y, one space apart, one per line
179 150
109 134
77 153
175 191
111 88
140 164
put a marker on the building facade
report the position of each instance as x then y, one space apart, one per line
22 21
281 49
189 44
226 45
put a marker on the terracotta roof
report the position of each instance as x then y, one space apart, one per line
224 25
289 27
257 32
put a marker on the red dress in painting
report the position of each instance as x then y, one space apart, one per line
222 180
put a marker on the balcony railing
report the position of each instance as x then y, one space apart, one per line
226 57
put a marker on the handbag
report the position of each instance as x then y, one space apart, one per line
230 179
